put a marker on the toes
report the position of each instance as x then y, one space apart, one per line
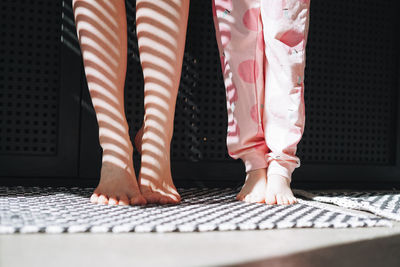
279 199
94 198
113 200
288 200
138 200
102 199
258 199
292 200
246 198
170 196
176 198
169 199
285 200
251 198
152 198
174 201
270 199
123 200
239 197
158 196
164 200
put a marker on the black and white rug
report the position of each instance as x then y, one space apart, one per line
58 210
382 203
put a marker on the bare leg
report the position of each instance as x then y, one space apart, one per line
101 27
161 29
138 140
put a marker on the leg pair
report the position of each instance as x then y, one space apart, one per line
262 47
102 32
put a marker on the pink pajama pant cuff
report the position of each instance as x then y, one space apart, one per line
280 167
254 160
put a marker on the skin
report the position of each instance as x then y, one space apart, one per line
101 28
274 189
254 188
102 33
161 31
278 191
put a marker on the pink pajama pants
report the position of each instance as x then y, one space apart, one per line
262 48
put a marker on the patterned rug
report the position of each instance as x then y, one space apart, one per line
58 210
382 203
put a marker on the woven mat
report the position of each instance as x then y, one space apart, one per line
58 210
381 203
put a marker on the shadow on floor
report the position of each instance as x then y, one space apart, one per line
374 252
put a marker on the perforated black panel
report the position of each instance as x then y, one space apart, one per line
351 83
29 76
209 86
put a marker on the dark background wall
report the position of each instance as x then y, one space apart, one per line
48 131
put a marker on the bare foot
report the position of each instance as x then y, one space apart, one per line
253 190
155 177
117 185
278 191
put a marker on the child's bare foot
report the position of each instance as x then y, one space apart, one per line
254 187
155 177
118 185
278 191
